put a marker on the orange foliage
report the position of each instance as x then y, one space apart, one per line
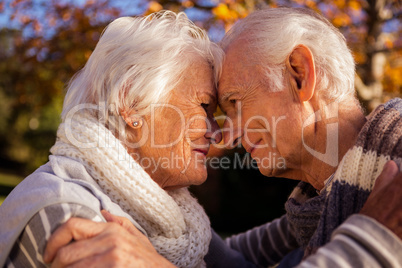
355 5
223 12
153 6
393 74
187 4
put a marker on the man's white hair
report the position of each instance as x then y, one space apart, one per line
273 33
138 61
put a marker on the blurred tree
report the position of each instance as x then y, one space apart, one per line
37 60
373 30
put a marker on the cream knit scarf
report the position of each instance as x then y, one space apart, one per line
176 224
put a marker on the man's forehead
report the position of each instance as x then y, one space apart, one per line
238 72
237 50
227 89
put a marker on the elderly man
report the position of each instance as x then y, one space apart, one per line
287 89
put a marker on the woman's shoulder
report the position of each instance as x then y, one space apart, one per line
37 232
60 180
50 187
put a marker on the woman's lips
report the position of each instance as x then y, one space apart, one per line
203 151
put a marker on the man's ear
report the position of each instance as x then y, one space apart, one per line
300 72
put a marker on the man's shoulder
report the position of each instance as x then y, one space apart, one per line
395 103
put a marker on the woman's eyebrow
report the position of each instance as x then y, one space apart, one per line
210 95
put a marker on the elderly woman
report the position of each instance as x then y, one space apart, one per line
137 124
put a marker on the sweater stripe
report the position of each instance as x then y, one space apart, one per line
29 248
34 244
26 254
45 222
331 256
9 264
372 241
265 245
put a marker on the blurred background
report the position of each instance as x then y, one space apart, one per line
44 42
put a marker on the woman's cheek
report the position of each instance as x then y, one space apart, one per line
197 129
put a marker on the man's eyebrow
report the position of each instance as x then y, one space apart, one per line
227 95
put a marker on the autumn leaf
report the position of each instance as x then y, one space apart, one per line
355 5
187 4
224 13
153 7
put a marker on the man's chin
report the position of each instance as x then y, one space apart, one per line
271 172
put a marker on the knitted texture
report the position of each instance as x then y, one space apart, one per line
313 218
175 223
304 208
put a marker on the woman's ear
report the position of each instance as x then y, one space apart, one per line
131 119
300 72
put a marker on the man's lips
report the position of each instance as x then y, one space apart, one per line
250 149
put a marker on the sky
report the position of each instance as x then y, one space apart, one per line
134 7
128 7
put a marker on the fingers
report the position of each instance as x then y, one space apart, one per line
104 242
79 250
115 258
389 171
73 229
112 258
384 203
126 224
113 239
109 217
93 262
114 247
122 221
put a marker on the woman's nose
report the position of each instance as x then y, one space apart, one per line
214 133
232 134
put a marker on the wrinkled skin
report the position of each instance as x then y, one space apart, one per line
179 135
384 203
116 243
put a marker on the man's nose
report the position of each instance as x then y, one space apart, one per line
232 134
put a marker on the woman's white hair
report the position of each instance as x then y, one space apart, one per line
138 61
274 33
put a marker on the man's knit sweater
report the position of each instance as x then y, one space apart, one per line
380 140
